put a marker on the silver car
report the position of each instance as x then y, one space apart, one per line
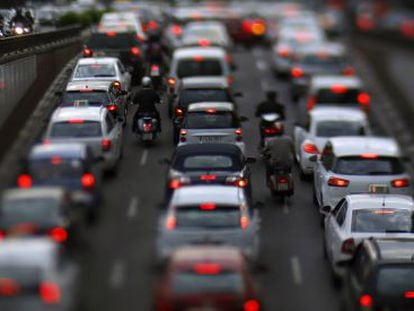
217 215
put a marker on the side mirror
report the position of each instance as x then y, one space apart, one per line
243 119
250 160
326 210
238 94
314 158
164 161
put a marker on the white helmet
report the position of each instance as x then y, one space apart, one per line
146 81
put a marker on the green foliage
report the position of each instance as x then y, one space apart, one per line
85 19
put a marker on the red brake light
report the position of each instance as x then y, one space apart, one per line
365 23
241 183
251 305
175 184
339 89
76 121
239 134
171 82
176 30
208 177
183 133
179 112
369 156
9 287
310 148
273 130
310 104
211 111
409 295
87 52
338 182
147 127
244 222
135 51
230 80
58 234
153 25
204 42
209 268
296 72
24 181
366 301
155 67
208 206
198 58
171 223
400 183
283 180
111 33
49 292
349 71
283 52
88 181
106 144
258 28
364 99
56 160
112 108
348 246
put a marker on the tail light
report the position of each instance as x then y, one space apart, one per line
24 181
283 52
364 99
207 268
366 302
409 295
175 184
230 80
310 104
9 287
135 51
171 223
273 130
106 144
296 72
176 30
88 181
251 305
179 112
241 183
338 182
400 183
348 246
147 127
283 179
349 71
171 82
112 108
152 25
58 234
87 52
155 67
365 23
407 28
204 42
258 28
183 135
339 89
208 177
2 235
49 292
239 134
244 222
310 148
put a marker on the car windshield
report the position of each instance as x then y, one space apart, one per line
204 120
191 96
368 166
55 168
339 128
199 67
384 220
94 98
395 281
78 129
189 282
112 40
207 162
95 71
218 218
41 211
337 96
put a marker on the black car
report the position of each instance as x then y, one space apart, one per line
380 276
71 166
222 164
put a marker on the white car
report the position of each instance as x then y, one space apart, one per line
102 68
93 126
355 164
361 216
206 33
322 124
119 22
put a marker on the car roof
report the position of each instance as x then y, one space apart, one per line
99 85
67 150
362 201
97 60
56 193
395 249
71 113
204 82
337 114
219 106
357 145
191 149
320 81
201 194
208 52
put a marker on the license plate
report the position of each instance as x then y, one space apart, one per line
378 188
210 139
147 136
282 187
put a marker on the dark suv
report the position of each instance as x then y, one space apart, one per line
380 276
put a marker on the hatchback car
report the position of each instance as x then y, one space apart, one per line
360 216
213 276
357 164
93 126
208 33
207 123
380 276
207 214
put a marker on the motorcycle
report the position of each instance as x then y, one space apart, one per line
271 125
147 128
18 29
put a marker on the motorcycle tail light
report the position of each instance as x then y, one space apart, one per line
24 181
348 246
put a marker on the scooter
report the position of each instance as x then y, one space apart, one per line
147 128
18 29
271 125
155 73
280 182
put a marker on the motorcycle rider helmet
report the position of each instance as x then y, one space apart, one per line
146 81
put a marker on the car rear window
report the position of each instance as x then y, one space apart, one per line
395 281
199 67
112 41
321 60
94 98
332 96
190 282
55 168
191 96
368 166
339 128
382 220
205 120
208 162
221 217
95 71
73 130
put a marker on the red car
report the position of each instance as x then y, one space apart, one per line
207 276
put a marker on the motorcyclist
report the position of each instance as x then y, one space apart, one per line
154 51
278 154
29 17
19 18
146 99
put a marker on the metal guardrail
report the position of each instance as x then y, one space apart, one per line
12 45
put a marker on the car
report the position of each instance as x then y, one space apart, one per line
70 165
217 122
360 216
209 214
322 124
216 276
380 276
196 90
208 164
121 22
39 211
356 164
344 91
102 68
93 126
207 33
97 93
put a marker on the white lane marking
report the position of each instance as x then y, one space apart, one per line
117 275
257 53
144 158
261 65
286 209
133 207
264 85
296 270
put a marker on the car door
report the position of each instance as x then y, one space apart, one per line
336 226
323 171
113 130
301 132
